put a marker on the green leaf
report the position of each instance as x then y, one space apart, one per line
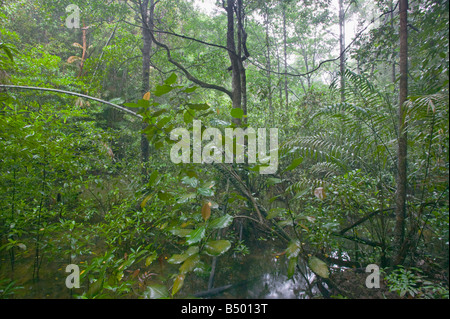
158 113
196 235
135 105
152 179
221 222
291 267
181 232
296 162
273 181
191 181
190 264
191 89
188 116
150 259
319 267
186 197
217 247
162 89
171 79
156 292
205 191
237 113
293 249
178 283
198 107
274 212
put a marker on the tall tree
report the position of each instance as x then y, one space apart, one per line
147 8
342 47
400 211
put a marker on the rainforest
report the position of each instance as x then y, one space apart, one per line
224 149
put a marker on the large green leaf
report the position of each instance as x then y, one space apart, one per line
189 264
293 249
221 222
181 232
178 283
196 235
171 79
156 292
291 267
179 258
217 247
162 89
237 113
319 267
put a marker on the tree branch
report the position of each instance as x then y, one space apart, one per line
121 108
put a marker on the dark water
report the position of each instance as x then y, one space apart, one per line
260 274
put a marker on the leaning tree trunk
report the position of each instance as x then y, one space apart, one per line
400 245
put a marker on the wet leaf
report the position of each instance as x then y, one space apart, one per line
217 247
221 222
156 292
319 267
291 267
189 264
293 249
196 235
178 283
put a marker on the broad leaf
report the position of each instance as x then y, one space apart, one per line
319 267
171 79
291 267
196 235
206 211
221 222
293 249
237 113
189 264
178 283
217 247
156 292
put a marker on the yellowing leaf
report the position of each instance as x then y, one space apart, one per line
77 45
206 211
146 96
146 199
319 267
73 58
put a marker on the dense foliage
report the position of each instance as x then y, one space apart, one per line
80 185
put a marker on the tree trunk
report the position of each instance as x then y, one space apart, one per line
342 47
268 64
285 56
147 9
400 212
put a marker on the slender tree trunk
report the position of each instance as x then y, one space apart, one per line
342 47
234 58
147 9
400 212
285 56
268 63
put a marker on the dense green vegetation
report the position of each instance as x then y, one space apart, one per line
84 182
